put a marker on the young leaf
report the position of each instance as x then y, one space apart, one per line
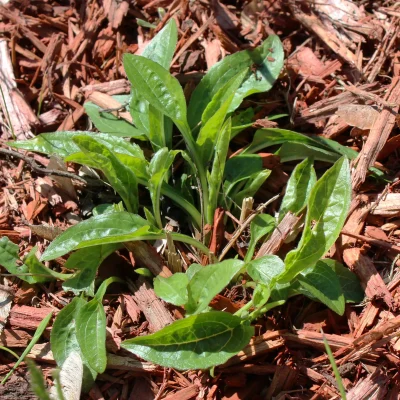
208 282
261 225
267 59
299 151
157 86
91 334
158 168
321 281
298 188
87 262
173 289
116 227
156 128
193 270
64 341
106 122
218 167
121 178
328 205
197 342
265 269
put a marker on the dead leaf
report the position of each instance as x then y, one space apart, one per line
358 115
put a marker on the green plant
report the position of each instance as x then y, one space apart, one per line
207 180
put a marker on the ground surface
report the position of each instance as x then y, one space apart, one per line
61 52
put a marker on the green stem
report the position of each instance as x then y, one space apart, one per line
245 308
256 313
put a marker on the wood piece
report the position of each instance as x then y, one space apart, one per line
258 346
106 102
370 280
252 369
373 387
27 317
152 307
146 256
367 319
184 394
119 86
70 121
130 364
284 379
378 136
14 338
17 112
281 232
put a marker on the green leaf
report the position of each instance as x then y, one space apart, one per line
156 128
299 151
321 281
157 86
261 225
217 172
107 122
265 269
158 168
121 178
91 334
298 188
173 289
328 205
162 47
273 136
267 58
242 121
352 291
208 282
193 270
197 342
61 143
117 227
87 262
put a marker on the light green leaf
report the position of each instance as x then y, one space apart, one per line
115 227
193 270
321 281
38 384
157 86
87 262
161 49
265 269
91 334
156 128
328 205
173 289
121 178
267 58
61 143
106 122
261 225
208 282
298 188
197 342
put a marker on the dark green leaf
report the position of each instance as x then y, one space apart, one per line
115 227
265 269
91 334
208 282
172 289
121 178
197 342
267 59
299 151
87 261
321 281
298 188
327 210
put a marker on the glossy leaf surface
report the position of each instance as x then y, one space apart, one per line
265 269
173 289
197 342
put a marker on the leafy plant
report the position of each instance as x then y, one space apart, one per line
207 179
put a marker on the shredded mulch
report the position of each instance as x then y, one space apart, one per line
341 80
